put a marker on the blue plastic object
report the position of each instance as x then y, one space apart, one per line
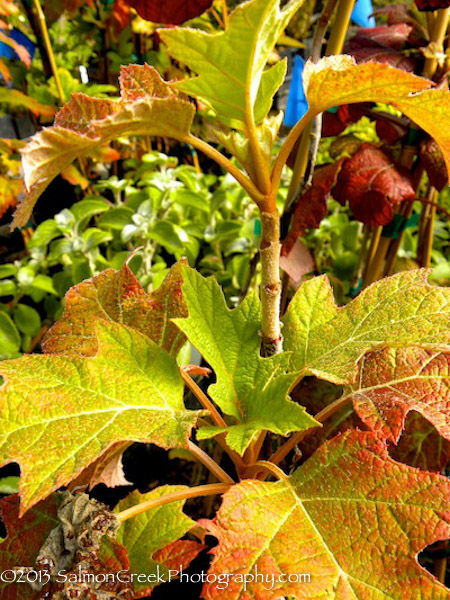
361 13
297 105
16 35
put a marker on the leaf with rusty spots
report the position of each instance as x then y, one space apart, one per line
373 185
251 389
421 446
393 381
68 411
312 206
433 163
179 554
399 311
25 536
149 536
348 502
118 296
170 12
86 123
337 80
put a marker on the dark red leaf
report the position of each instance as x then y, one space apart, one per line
431 4
433 163
312 206
335 123
171 12
385 55
372 185
389 131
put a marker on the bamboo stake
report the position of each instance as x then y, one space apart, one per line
49 49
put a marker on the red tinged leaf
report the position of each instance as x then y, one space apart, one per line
118 296
389 36
179 554
373 186
382 44
401 14
25 537
350 517
434 164
170 12
312 206
394 381
431 4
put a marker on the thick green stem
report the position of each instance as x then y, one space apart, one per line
270 284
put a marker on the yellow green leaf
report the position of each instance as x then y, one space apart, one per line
230 65
60 413
327 341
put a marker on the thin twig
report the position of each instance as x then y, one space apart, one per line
209 463
203 399
196 492
322 416
264 465
224 162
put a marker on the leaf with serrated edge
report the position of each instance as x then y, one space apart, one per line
350 517
327 341
151 531
249 388
337 80
25 537
68 411
393 381
118 296
230 65
85 123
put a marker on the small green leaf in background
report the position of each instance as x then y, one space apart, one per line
27 319
9 336
9 485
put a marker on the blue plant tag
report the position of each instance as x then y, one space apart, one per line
362 12
297 105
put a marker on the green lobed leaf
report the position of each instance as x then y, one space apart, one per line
58 414
230 65
350 517
251 389
327 341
